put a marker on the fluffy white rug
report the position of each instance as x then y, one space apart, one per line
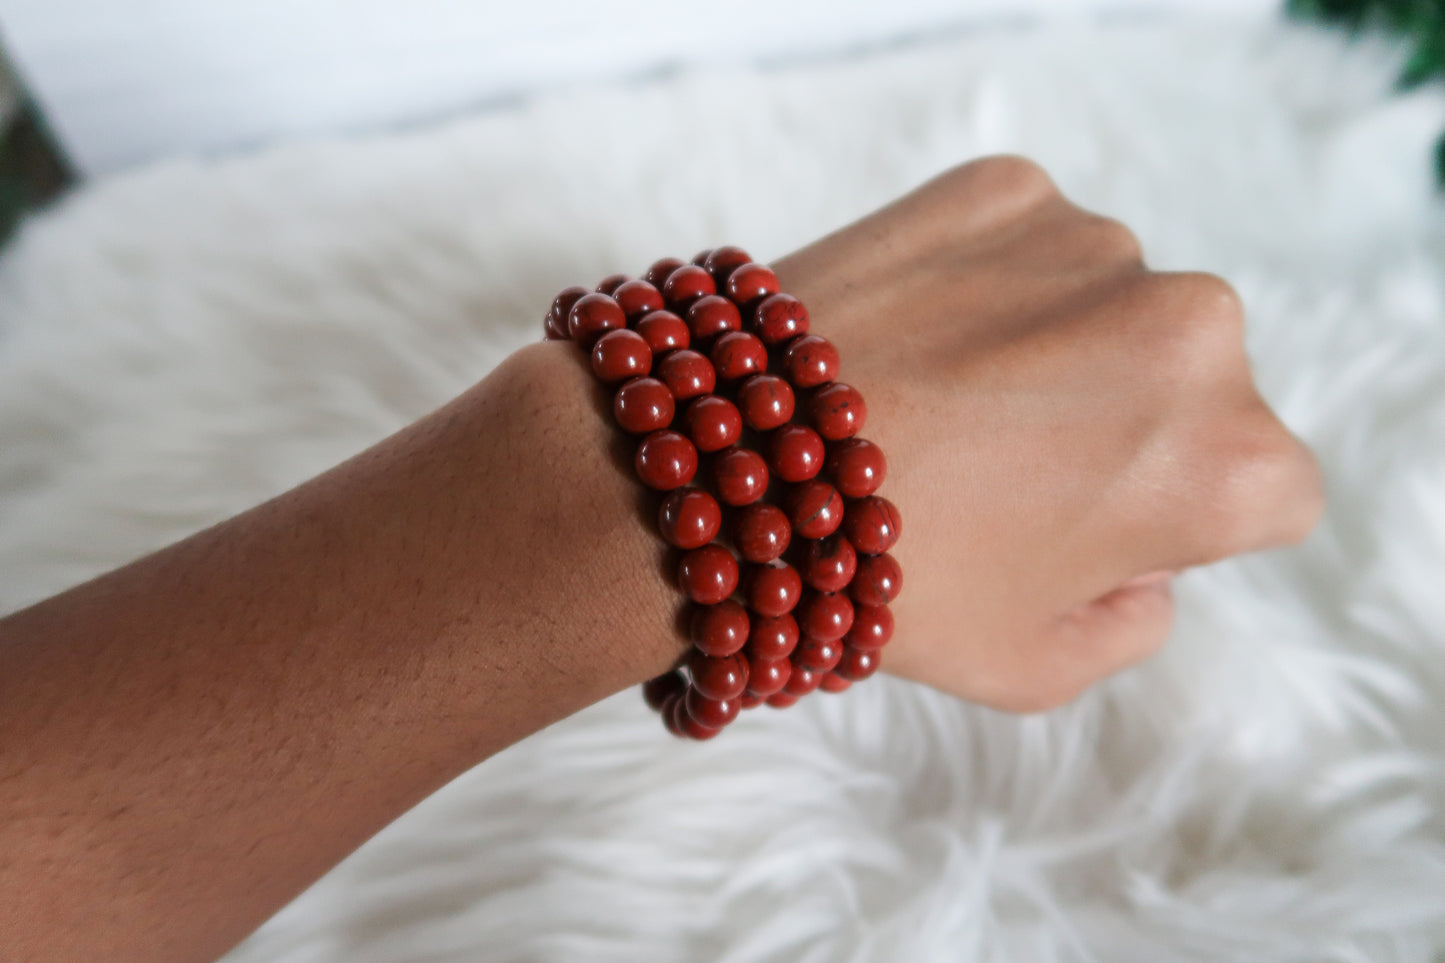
185 341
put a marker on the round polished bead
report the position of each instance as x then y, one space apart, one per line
673 713
553 329
749 701
857 467
857 664
611 283
619 355
664 331
837 411
687 374
720 629
825 615
772 637
713 713
878 580
815 509
712 422
562 307
782 700
761 532
810 361
766 401
740 476
685 285
872 627
723 261
689 518
691 727
802 680
643 405
659 689
710 316
828 564
738 354
750 283
637 298
795 453
833 682
700 258
820 655
773 589
657 274
593 316
780 317
708 574
766 676
718 677
872 524
665 460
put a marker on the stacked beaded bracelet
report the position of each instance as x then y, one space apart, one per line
796 485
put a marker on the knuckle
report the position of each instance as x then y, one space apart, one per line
1011 174
1265 489
1195 323
1110 239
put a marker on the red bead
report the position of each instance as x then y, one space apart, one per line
773 589
810 361
554 330
802 680
691 727
665 460
872 627
562 306
837 411
780 317
700 258
781 700
740 476
772 637
872 524
878 580
766 401
637 298
712 713
707 575
857 467
718 678
593 316
749 701
767 676
710 316
713 423
685 285
643 405
761 532
664 331
828 564
661 268
857 664
657 691
723 261
689 518
611 283
833 682
687 374
750 283
619 355
738 354
825 615
815 509
818 654
720 629
795 453
673 713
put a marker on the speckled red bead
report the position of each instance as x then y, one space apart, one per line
592 316
665 460
556 324
707 575
878 580
687 374
872 524
722 677
815 509
712 422
795 453
689 518
643 405
820 655
828 564
780 317
638 298
761 532
837 411
825 615
766 401
810 361
857 467
722 261
685 285
802 680
737 354
857 664
750 283
767 676
739 475
772 589
690 727
872 627
772 636
712 315
658 273
720 629
712 713
619 355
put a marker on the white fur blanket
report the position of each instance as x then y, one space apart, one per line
180 343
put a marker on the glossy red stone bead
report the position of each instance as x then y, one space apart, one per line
837 411
872 524
815 509
689 518
664 331
795 453
781 700
766 401
761 532
665 460
820 655
825 615
857 467
643 405
657 274
802 680
828 564
611 283
658 690
773 589
718 678
857 664
593 316
872 627
690 727
562 307
712 713
772 637
687 374
638 298
750 283
722 261
700 258
739 475
720 629
685 285
749 701
553 329
780 317
833 682
619 355
810 361
707 575
738 354
712 422
767 676
710 316
878 580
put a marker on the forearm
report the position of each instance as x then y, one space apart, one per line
189 741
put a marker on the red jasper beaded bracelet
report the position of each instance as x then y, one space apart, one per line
769 495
